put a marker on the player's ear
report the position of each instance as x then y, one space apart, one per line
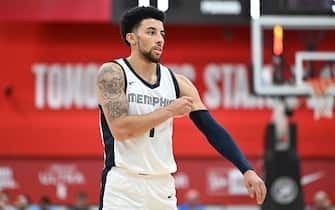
130 37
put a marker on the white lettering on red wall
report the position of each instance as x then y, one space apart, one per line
72 85
225 181
61 175
7 180
181 180
228 87
65 86
186 69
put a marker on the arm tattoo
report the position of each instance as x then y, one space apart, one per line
111 86
110 83
116 108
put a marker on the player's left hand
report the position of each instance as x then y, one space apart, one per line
255 186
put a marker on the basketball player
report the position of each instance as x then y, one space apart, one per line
138 98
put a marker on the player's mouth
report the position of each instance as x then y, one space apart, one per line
157 50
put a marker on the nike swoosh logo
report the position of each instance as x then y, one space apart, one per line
309 178
170 196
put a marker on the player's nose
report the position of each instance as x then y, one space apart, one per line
160 40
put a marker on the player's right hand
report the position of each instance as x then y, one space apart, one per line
181 106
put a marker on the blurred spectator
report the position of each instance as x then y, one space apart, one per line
192 201
321 201
44 204
81 202
22 202
4 202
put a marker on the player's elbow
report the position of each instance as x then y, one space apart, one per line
120 137
122 130
118 130
120 134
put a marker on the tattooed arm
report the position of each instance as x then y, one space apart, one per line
112 98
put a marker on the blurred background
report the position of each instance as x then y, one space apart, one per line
264 68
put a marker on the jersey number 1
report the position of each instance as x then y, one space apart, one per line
152 132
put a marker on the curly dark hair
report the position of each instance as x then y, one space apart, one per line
131 19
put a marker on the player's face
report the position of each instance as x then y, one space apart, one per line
150 39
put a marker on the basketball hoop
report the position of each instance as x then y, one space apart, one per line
323 102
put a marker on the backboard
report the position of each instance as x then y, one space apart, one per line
308 44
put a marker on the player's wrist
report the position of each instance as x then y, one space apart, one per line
249 171
169 111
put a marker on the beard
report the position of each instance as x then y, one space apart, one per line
150 57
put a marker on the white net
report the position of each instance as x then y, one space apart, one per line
323 102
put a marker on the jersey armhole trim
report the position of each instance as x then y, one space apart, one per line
175 82
124 74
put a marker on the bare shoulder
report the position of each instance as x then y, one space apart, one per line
182 79
185 85
110 82
187 88
108 70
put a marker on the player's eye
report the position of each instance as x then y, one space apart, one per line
151 32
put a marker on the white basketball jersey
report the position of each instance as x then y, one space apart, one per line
150 153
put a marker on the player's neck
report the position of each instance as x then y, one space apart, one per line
144 68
